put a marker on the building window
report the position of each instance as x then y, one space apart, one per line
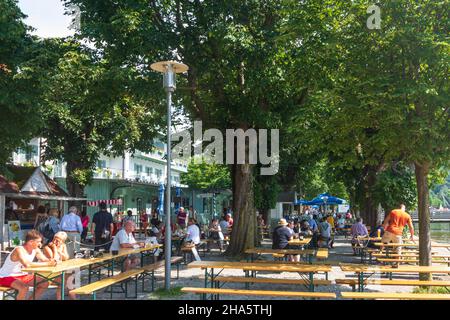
58 169
29 152
121 207
101 164
148 170
158 173
138 168
139 205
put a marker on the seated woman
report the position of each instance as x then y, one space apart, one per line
57 250
215 233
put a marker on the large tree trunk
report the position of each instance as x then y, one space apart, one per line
73 187
369 207
243 235
421 171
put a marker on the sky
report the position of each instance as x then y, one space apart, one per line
47 17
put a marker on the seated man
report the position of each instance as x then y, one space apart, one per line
358 230
281 236
22 257
124 239
193 232
305 229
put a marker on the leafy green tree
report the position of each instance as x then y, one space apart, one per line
206 176
243 67
92 108
394 186
19 108
389 99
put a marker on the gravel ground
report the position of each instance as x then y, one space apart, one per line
341 252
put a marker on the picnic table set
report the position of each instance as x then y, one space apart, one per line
94 265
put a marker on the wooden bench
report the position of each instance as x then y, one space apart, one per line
394 296
409 255
216 292
149 270
280 254
322 254
12 293
92 288
373 252
8 293
382 282
250 280
187 249
412 261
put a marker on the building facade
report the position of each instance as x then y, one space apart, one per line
135 179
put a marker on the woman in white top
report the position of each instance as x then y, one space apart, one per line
57 250
11 274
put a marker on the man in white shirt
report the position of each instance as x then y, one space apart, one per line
124 239
193 232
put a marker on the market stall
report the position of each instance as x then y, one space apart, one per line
23 190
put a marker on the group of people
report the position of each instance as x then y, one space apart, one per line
55 251
390 230
76 225
321 231
50 248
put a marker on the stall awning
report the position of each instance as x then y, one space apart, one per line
41 197
96 203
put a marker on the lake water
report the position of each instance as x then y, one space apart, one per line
440 231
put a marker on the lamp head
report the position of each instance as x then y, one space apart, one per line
169 69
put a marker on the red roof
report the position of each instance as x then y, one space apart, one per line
18 176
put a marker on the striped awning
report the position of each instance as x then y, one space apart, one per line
96 203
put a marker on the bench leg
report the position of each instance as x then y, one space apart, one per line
178 270
153 280
135 286
311 282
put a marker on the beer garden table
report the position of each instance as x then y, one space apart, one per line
51 273
254 267
362 270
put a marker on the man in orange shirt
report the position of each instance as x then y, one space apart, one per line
393 225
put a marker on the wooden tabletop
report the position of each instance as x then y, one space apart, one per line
400 269
299 242
396 245
369 238
72 264
254 266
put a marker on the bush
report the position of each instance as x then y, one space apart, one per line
439 290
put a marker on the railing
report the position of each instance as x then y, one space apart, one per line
107 173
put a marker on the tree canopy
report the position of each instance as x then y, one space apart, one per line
19 109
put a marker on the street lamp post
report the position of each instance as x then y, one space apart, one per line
169 69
